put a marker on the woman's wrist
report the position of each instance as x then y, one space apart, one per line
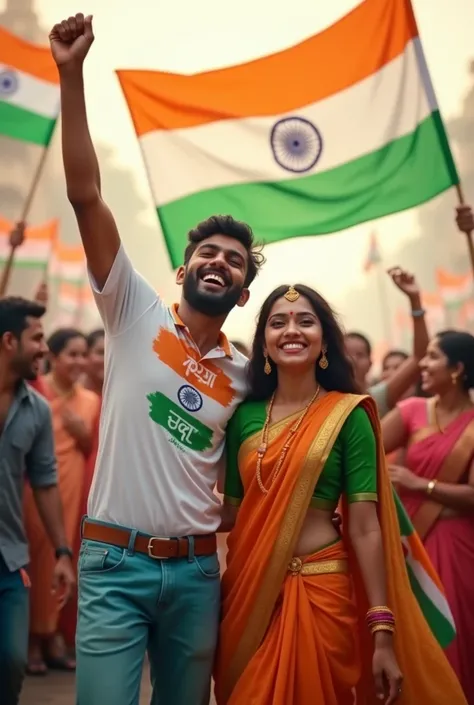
383 639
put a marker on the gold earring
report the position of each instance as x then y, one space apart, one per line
323 361
267 368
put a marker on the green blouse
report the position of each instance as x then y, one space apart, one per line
351 467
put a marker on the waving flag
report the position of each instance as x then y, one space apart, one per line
454 289
337 130
29 90
37 247
373 256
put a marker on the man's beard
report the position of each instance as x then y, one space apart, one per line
209 303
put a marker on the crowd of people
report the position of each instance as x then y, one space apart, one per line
117 447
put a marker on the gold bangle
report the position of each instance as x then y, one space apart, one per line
383 628
382 608
430 487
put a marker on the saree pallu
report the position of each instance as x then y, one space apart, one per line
449 542
302 640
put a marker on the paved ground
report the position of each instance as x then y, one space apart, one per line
58 689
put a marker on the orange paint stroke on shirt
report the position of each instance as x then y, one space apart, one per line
204 375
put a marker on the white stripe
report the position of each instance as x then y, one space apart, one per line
33 251
31 93
430 588
353 122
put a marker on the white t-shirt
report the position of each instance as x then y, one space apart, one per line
164 413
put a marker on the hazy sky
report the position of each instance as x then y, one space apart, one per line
187 36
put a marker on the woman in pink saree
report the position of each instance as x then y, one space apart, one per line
436 483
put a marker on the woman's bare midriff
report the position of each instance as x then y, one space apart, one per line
318 531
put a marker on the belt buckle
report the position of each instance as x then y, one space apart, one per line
150 548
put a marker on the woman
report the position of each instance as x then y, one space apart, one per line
436 483
93 380
292 631
74 410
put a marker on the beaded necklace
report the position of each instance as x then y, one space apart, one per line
264 441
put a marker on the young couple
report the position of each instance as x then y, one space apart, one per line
291 630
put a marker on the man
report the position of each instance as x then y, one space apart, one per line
148 570
26 446
389 391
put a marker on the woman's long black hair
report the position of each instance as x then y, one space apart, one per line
339 375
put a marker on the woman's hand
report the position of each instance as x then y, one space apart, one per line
73 424
387 675
406 479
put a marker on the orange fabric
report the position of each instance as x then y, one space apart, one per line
308 655
71 467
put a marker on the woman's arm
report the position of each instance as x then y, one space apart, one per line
460 497
76 427
394 431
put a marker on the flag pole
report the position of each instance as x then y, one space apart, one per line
8 268
470 242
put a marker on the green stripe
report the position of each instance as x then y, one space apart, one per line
400 175
23 125
442 629
26 264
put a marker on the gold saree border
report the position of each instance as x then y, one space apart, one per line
451 472
290 529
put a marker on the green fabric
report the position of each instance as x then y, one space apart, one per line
351 468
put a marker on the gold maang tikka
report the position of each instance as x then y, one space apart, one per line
291 295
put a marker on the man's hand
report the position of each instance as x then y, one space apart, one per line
17 235
64 580
71 40
405 281
465 218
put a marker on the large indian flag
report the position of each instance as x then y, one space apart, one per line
425 582
29 90
339 129
37 247
68 263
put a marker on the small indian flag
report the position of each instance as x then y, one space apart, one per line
338 130
454 288
36 250
29 90
373 255
424 581
68 263
435 308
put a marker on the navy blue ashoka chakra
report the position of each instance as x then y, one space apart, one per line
8 82
189 398
296 144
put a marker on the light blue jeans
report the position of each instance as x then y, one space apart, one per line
130 603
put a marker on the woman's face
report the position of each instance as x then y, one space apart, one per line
436 374
69 365
95 360
391 365
293 334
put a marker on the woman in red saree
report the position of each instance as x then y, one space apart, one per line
436 483
295 596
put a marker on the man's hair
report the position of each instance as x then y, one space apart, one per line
236 229
14 311
363 339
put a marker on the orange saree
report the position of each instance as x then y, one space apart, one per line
71 462
301 639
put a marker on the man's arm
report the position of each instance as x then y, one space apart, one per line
42 475
98 230
122 296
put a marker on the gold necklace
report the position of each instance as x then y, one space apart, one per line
264 441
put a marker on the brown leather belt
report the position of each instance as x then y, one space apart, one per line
153 546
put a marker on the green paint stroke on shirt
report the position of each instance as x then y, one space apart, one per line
181 425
